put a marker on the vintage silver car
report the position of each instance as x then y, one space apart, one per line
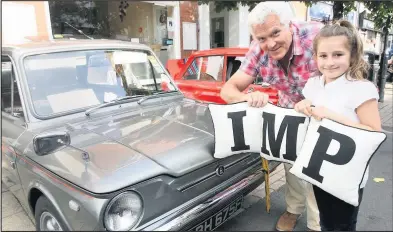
91 141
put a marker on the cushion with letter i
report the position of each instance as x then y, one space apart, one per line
334 157
283 133
231 132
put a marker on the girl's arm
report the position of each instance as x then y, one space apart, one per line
367 112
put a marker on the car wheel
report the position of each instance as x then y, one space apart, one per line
46 216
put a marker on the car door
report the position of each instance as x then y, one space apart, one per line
13 123
203 78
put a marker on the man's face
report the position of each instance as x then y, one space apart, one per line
274 38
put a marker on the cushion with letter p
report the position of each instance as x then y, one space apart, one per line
334 157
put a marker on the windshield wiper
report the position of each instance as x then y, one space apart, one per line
89 111
154 95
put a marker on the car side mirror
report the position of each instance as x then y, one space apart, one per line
46 143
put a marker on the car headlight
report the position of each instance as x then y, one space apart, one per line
123 211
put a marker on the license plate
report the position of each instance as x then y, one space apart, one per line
220 217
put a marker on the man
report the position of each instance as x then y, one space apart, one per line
281 52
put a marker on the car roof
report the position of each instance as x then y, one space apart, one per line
221 51
64 45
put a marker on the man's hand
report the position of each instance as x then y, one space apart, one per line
304 107
256 99
232 91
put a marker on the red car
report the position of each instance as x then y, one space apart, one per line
202 75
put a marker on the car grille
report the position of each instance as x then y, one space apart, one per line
211 175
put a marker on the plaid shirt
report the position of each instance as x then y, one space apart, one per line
302 66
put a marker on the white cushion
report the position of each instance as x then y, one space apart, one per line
249 139
224 133
288 145
334 157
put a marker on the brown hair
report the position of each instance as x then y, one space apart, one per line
358 68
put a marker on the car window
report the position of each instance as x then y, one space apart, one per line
233 64
10 98
207 68
82 79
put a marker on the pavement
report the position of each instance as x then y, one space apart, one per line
375 211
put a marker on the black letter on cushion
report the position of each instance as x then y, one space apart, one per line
343 156
291 125
238 130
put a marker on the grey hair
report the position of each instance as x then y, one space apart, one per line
263 9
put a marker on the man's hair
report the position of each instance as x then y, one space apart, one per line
358 66
263 9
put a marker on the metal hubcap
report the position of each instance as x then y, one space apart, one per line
49 223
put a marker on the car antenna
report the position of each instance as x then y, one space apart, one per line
80 31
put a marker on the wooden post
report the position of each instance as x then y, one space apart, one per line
265 165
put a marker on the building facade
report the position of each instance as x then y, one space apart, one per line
229 28
174 29
159 24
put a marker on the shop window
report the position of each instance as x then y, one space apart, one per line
10 99
209 68
91 17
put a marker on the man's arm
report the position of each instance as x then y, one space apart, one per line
232 90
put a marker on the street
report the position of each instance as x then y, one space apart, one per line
375 210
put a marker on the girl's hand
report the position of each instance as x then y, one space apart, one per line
320 112
304 107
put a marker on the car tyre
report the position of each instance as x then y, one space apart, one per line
47 217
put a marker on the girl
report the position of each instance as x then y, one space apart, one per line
343 94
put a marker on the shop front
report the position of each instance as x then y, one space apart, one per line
155 24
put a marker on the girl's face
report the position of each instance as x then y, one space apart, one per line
333 57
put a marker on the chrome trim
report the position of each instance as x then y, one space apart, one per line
178 222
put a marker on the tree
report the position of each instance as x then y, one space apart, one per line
229 5
340 8
382 15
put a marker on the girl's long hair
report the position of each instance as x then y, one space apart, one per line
358 66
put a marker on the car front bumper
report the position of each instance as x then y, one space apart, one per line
190 217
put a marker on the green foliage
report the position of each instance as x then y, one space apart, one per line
229 5
381 13
380 10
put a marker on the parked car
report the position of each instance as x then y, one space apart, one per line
202 75
89 143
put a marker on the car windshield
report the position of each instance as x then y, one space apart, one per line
67 81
